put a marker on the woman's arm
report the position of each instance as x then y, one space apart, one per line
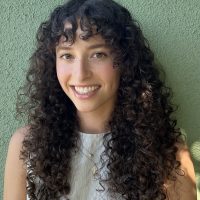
15 171
185 186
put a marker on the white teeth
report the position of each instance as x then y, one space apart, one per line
85 90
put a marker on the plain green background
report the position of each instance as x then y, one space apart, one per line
171 26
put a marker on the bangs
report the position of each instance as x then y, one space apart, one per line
88 27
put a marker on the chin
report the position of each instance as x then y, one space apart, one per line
86 108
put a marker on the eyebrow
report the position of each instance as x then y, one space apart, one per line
94 46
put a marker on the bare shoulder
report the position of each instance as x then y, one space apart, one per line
185 186
15 144
19 135
15 170
184 156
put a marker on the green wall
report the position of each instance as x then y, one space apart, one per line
171 26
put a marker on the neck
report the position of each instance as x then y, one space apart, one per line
93 122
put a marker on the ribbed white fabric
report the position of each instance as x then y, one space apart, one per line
83 182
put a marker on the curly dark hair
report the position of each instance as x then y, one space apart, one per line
142 144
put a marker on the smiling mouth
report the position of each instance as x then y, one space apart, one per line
85 91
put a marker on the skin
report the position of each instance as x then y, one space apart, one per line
15 171
185 186
88 67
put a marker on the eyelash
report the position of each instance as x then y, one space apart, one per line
69 56
66 54
102 54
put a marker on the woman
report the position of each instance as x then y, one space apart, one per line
100 120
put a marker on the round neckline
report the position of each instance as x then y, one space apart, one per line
93 134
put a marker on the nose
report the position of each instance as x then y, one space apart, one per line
82 70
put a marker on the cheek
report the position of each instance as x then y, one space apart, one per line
109 75
63 72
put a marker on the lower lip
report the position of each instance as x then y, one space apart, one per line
85 96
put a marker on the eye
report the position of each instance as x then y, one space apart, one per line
99 55
67 56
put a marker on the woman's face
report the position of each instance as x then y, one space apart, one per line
86 74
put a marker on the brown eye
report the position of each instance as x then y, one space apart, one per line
67 56
99 55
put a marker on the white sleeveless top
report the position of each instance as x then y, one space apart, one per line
83 180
